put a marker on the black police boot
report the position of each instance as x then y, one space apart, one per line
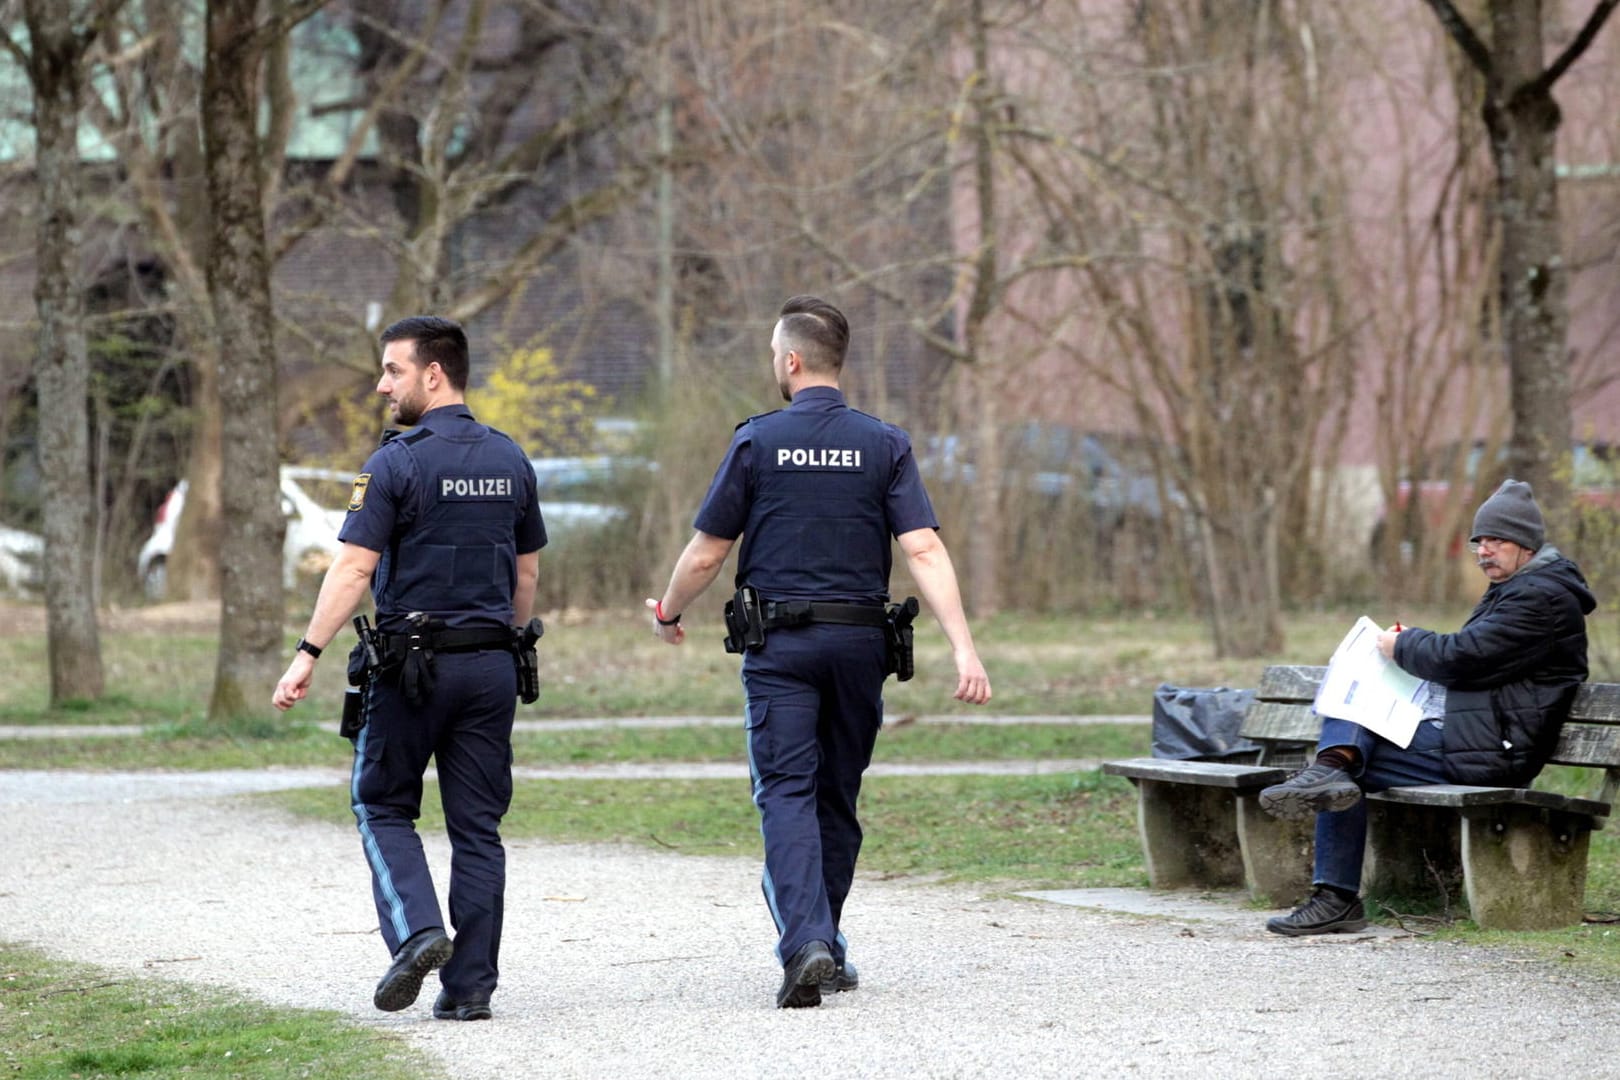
1326 912
425 951
471 1009
1314 789
844 978
803 974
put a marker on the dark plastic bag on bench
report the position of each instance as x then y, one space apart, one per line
1189 722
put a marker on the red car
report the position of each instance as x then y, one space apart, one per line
1427 506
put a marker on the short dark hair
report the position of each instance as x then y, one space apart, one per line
437 341
818 331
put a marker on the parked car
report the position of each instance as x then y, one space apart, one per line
573 496
314 502
586 491
22 557
1113 473
1424 501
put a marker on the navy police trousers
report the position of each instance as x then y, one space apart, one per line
815 704
466 727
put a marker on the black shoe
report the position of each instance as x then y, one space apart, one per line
1326 912
471 1009
425 951
802 976
1313 790
844 978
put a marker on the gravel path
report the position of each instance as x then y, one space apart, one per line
620 962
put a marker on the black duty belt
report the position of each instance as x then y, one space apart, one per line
779 613
471 639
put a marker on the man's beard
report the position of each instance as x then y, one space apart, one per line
787 395
408 410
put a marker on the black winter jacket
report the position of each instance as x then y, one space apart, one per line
1510 673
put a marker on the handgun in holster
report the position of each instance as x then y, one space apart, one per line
898 629
365 661
528 659
745 620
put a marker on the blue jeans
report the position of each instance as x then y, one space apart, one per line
1341 837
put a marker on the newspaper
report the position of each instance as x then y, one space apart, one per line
1363 687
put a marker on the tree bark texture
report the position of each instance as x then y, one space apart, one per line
1521 118
252 615
62 364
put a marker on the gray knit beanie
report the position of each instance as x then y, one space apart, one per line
1511 514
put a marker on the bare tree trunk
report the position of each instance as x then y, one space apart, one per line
251 628
988 537
63 366
1522 119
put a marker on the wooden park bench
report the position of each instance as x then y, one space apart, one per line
1518 854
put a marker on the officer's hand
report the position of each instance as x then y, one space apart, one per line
669 635
972 683
295 683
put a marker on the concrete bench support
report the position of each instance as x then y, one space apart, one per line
1201 825
1525 866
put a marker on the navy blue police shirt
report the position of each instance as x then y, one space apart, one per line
816 491
450 504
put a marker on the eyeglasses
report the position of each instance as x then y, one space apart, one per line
1493 542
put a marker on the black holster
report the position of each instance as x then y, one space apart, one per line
416 674
353 720
528 659
745 621
365 664
897 629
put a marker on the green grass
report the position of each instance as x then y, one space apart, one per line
1021 831
607 664
68 1021
249 745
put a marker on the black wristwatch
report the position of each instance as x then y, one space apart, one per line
658 617
305 646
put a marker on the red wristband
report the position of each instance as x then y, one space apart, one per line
658 613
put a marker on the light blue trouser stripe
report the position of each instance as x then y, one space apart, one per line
368 839
767 885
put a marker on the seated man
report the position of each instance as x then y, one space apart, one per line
1499 691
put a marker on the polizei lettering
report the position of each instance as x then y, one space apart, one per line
475 487
817 457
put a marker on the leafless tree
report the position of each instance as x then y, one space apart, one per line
1522 119
59 40
251 631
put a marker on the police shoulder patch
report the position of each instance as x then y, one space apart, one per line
357 497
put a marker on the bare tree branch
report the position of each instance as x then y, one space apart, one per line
1462 34
1577 46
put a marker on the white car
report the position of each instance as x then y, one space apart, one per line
314 502
22 558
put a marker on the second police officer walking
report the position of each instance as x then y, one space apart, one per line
816 492
444 526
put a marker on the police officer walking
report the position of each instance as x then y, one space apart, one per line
444 526
816 491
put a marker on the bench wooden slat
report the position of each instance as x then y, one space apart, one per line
1583 743
1599 702
1206 773
1461 796
1271 721
1290 682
